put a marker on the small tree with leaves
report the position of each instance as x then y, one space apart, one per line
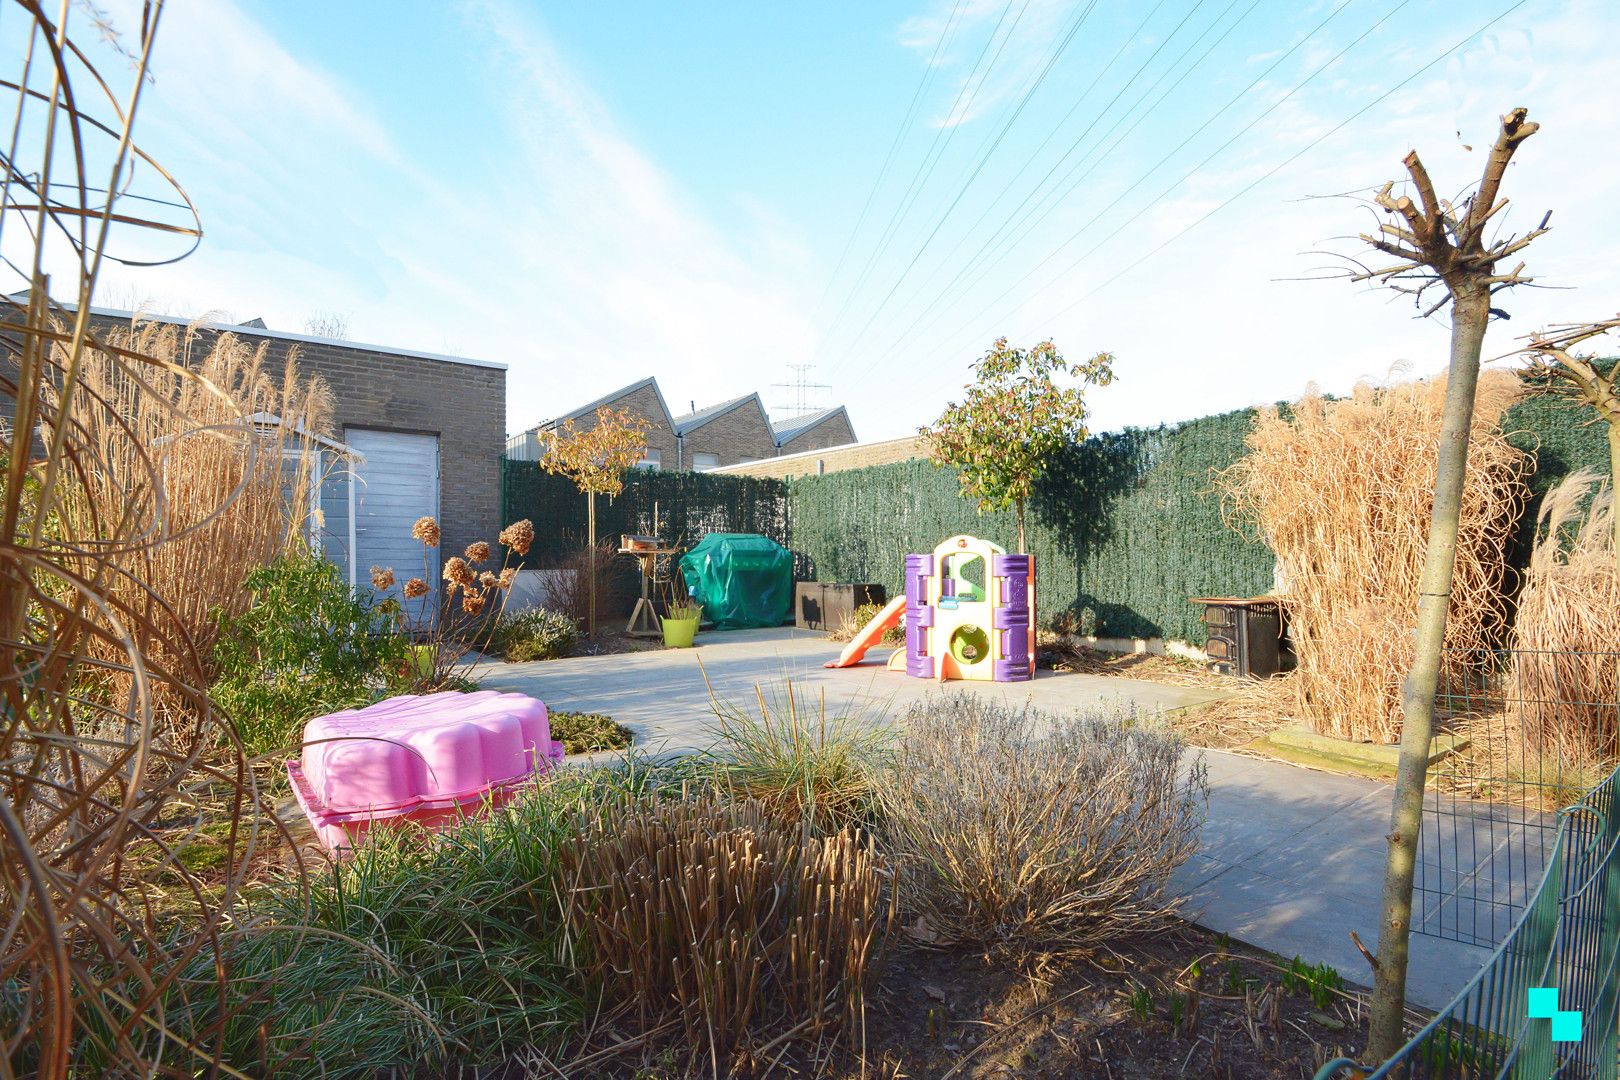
1015 416
595 459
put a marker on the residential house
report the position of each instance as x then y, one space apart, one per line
641 399
716 436
815 431
725 434
415 433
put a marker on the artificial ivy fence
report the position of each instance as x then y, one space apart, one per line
1126 526
688 505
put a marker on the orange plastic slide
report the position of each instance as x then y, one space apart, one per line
870 634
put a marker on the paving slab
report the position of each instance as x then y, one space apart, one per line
1291 858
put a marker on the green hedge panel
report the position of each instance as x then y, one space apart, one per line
1125 527
688 506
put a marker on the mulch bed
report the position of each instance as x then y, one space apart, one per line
1188 1003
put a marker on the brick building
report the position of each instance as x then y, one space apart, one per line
724 434
713 437
424 433
641 399
815 431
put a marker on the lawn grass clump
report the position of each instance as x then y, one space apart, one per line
789 754
722 921
1017 829
464 933
589 733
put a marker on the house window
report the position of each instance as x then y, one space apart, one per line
650 460
705 462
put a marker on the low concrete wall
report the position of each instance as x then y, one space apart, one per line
534 589
1150 646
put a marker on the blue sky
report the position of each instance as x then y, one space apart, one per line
595 192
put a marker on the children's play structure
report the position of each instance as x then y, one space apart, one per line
969 609
427 760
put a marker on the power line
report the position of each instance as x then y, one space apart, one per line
1250 126
1294 157
984 158
1096 160
1054 198
936 149
1179 182
985 268
899 135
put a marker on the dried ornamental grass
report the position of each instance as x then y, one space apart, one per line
1015 829
1565 680
720 917
189 459
1341 491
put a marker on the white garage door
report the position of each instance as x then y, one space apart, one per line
397 483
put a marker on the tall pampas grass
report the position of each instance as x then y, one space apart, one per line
1342 492
1565 678
206 455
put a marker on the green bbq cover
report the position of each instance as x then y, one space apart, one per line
741 579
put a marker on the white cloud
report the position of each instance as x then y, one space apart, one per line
574 257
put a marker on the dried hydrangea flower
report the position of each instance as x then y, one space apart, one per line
508 576
477 551
382 579
427 531
457 572
415 588
518 536
472 603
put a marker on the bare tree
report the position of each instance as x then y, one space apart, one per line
1559 370
327 324
1434 244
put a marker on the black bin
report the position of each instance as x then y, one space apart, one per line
1245 636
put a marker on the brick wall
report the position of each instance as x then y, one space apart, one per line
834 459
742 434
835 430
463 404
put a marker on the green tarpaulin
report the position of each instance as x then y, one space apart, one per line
741 579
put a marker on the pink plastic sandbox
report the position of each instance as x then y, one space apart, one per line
427 760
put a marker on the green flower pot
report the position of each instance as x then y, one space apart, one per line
422 661
678 633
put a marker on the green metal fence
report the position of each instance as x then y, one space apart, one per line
1567 939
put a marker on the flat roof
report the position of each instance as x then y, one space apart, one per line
282 335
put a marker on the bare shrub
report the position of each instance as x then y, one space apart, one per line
570 591
1015 828
1566 672
1342 492
721 918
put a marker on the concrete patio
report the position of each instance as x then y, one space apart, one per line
1292 859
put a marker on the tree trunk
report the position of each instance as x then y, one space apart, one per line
1469 314
1020 506
590 562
